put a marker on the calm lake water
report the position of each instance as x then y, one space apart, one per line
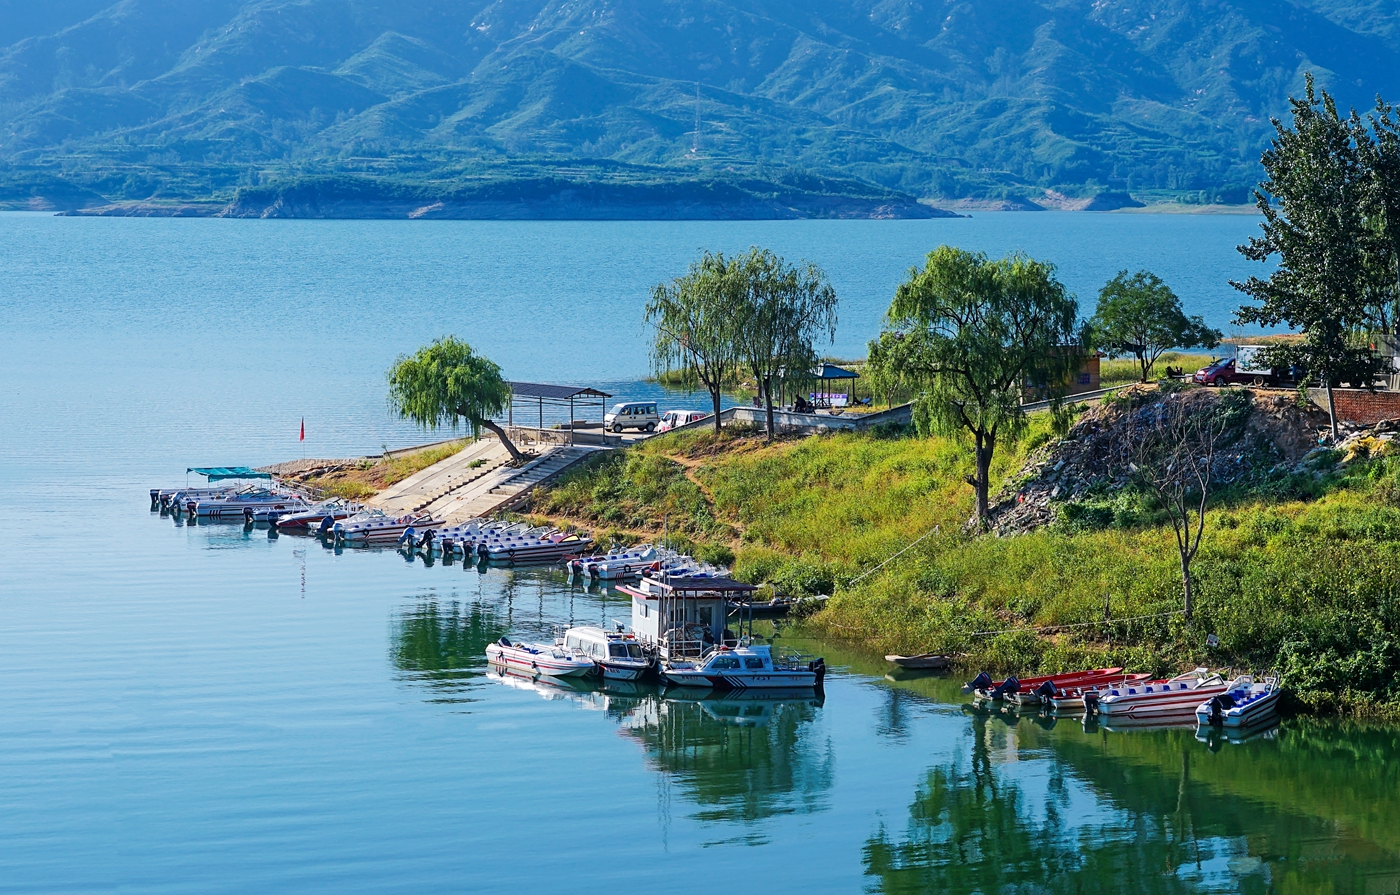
208 709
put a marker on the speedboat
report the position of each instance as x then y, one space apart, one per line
1246 702
548 548
743 668
619 655
539 658
374 526
1185 691
176 498
1073 698
615 564
315 517
986 688
254 499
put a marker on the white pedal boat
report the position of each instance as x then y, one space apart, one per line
1246 702
743 668
1173 696
539 658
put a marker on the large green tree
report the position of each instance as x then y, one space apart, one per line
696 318
968 336
446 383
1313 202
786 308
1138 314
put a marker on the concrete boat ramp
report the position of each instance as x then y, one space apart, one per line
478 481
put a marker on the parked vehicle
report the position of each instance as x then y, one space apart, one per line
672 419
539 658
1234 371
618 655
632 415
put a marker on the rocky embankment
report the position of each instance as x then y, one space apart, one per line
1276 436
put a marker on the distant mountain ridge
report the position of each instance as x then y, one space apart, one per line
941 99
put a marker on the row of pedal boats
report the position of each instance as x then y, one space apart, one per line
616 655
1213 697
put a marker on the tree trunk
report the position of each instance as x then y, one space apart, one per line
1331 409
1146 367
983 455
714 401
500 433
1188 601
768 402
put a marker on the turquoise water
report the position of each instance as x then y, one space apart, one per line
208 709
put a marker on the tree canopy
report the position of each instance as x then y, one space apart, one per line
1138 314
445 383
1314 202
968 336
785 309
696 318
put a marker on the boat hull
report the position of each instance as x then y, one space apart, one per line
537 663
1257 710
1165 703
775 680
614 671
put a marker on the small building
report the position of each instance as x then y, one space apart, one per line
1085 379
684 616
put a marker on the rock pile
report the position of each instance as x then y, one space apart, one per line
1277 434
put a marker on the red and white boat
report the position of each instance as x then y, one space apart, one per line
986 688
539 658
1074 699
315 517
1160 697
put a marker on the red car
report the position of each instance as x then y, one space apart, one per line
1222 372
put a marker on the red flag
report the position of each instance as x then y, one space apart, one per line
303 429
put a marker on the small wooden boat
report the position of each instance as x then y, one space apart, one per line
921 662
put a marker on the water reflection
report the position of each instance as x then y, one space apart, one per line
443 646
1311 808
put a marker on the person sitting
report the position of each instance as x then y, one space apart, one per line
800 405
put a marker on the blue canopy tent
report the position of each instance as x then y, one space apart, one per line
219 473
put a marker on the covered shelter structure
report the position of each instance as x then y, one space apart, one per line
824 380
223 473
685 616
558 400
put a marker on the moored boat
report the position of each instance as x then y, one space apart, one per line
985 687
921 662
314 517
539 658
1061 698
1185 691
374 526
1248 701
619 656
549 547
245 503
743 668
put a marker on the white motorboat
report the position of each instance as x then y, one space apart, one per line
1246 702
374 526
1183 692
314 517
619 655
743 668
616 564
176 498
233 505
548 548
539 658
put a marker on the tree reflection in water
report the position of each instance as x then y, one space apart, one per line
1034 810
443 646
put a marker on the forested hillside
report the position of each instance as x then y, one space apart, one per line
934 98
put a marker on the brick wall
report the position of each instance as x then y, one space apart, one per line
1360 406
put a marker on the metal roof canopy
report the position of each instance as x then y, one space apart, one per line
714 585
554 392
831 371
219 473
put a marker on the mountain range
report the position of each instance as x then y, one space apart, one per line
1019 102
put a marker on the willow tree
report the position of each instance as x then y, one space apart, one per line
967 336
446 384
785 309
696 319
1313 203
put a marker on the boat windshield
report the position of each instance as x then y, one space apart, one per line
625 650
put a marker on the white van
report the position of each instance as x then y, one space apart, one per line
672 419
632 415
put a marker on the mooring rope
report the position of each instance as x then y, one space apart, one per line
911 546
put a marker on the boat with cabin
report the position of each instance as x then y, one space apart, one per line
617 654
744 668
539 658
